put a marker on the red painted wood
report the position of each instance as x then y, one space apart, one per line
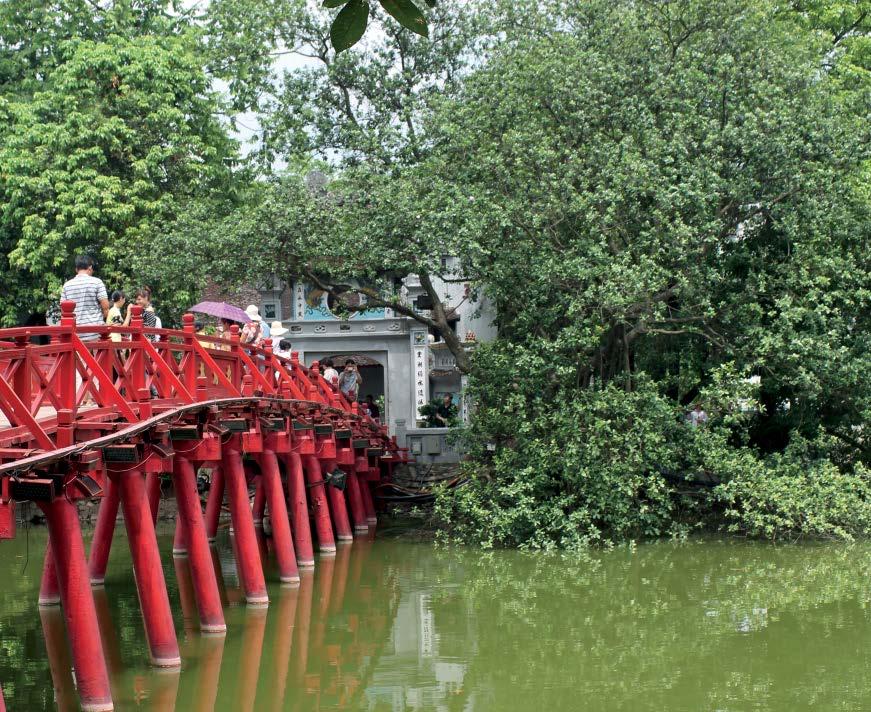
49 590
101 544
214 502
298 509
248 556
78 605
355 500
368 502
338 508
258 509
150 584
152 490
318 498
179 539
200 557
285 555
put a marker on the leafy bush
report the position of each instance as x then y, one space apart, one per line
795 493
578 470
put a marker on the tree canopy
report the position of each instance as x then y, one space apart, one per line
672 200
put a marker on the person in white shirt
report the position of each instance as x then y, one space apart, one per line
697 416
330 374
89 294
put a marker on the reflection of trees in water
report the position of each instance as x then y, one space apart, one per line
707 625
704 625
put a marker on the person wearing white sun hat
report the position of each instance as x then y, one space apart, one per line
277 330
256 329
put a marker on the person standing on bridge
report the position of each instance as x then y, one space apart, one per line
350 380
89 294
150 320
330 374
115 317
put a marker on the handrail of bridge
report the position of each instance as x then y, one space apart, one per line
84 374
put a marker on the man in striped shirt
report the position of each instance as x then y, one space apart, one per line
89 294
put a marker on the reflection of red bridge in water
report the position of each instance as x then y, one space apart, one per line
316 646
171 405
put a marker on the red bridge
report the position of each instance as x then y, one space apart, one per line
87 416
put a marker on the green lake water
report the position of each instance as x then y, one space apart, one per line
391 625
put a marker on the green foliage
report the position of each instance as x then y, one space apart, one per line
367 106
118 138
669 199
795 493
350 24
567 472
429 411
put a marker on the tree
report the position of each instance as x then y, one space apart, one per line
367 106
378 219
120 135
670 198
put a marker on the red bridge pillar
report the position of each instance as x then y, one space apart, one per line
190 523
355 499
270 480
101 544
258 509
298 505
323 527
215 501
79 612
150 583
49 591
152 489
249 563
338 508
362 467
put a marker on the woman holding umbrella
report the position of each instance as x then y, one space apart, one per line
226 313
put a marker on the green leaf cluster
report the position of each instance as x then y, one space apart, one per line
350 23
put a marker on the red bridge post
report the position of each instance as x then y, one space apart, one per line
323 526
190 522
362 469
150 583
298 506
338 508
249 563
152 490
101 544
78 604
355 499
49 590
270 479
179 540
214 502
258 509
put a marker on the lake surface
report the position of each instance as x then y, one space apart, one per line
392 625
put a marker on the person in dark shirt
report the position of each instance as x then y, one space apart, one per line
446 411
374 410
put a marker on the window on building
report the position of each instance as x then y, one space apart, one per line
270 311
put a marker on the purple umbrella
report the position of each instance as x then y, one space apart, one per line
222 310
